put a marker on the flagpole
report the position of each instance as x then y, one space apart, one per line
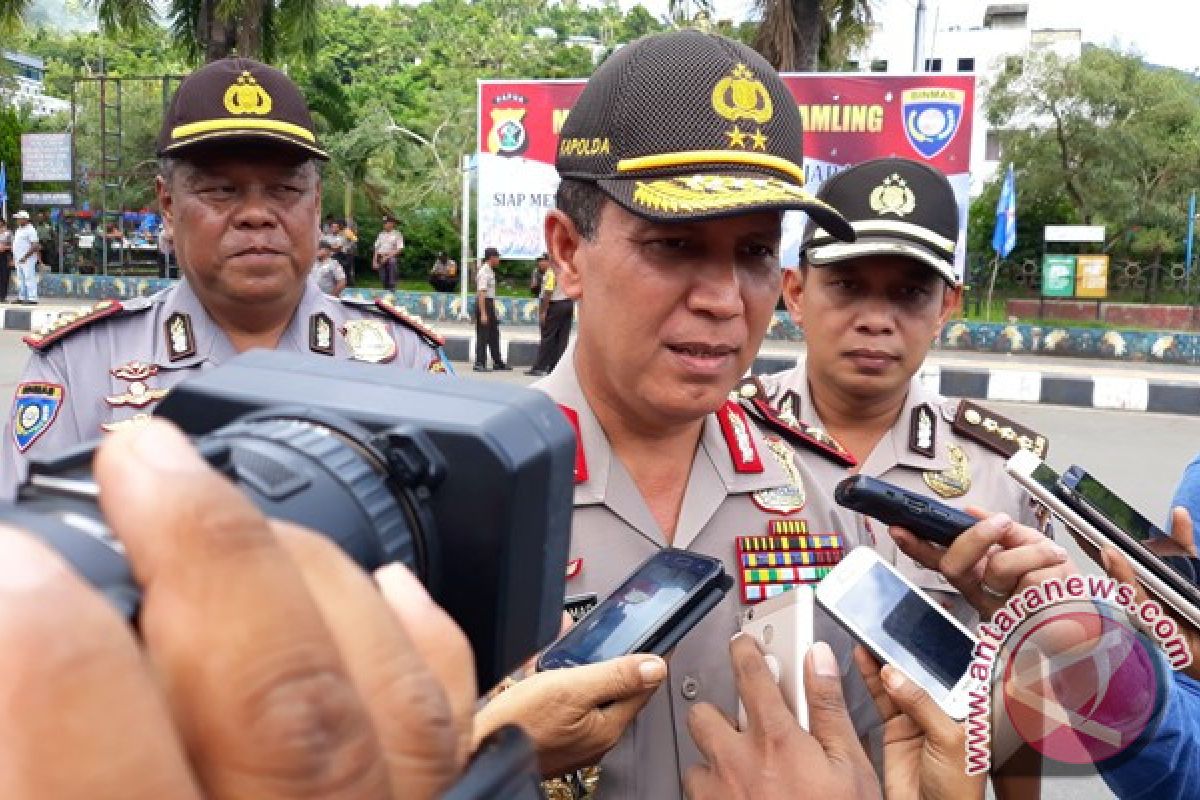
991 286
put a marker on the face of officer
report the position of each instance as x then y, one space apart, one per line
244 228
868 322
670 315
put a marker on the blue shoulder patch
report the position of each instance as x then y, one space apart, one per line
34 411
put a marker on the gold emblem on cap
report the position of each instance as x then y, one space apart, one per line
893 197
370 340
245 96
741 96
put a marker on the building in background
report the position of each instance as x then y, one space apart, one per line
27 86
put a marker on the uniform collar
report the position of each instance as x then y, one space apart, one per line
712 475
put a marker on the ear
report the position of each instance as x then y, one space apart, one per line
564 244
951 299
793 293
165 204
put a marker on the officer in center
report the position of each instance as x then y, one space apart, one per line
240 191
870 311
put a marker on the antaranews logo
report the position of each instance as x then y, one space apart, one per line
1078 669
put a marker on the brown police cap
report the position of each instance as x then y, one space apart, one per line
238 99
688 126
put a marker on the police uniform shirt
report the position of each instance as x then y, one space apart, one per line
485 280
551 286
114 365
613 531
956 470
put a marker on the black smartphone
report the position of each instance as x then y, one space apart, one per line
925 517
648 613
1096 498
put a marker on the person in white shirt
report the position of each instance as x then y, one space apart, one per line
389 245
25 248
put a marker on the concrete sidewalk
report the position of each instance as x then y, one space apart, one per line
1024 378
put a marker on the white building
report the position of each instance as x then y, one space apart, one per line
1001 41
29 73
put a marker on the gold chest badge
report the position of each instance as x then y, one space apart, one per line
369 340
955 480
786 499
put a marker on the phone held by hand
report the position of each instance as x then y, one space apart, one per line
649 613
901 625
783 626
927 518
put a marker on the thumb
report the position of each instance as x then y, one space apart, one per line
619 678
916 703
827 715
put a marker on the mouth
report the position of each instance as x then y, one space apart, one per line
871 358
257 251
704 357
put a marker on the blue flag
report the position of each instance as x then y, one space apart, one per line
1004 238
3 183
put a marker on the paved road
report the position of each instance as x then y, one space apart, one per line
1139 455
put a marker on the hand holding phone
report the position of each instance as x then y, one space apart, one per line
924 516
783 627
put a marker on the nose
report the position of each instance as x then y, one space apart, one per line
717 290
875 316
255 209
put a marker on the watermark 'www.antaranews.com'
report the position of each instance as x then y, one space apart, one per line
1027 609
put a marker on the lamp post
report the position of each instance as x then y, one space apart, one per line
1187 258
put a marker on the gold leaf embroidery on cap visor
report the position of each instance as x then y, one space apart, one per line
699 193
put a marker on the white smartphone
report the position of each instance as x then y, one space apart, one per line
902 626
783 626
1043 483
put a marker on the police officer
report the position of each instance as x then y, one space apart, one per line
870 311
555 312
240 192
678 160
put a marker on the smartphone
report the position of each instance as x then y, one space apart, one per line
1159 579
783 626
1102 507
925 517
648 613
902 626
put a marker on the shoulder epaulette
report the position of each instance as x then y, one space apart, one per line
997 433
68 322
750 394
387 305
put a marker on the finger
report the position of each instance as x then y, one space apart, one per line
711 731
82 713
914 701
869 667
1006 570
766 711
619 679
1182 529
827 716
421 711
700 783
259 692
970 548
927 554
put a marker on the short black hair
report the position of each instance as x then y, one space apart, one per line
582 202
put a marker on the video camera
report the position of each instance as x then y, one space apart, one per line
468 484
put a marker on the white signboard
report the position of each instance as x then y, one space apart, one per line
1075 233
45 157
46 199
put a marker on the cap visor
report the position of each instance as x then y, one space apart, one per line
268 139
866 247
689 198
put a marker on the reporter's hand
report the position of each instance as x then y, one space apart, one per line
774 758
269 665
991 561
575 715
924 750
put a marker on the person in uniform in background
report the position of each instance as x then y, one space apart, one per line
327 272
667 231
389 246
6 242
443 275
487 321
25 249
555 312
339 245
240 193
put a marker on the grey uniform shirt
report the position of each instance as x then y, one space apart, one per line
613 531
485 280
117 368
968 472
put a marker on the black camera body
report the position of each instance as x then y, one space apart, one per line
468 483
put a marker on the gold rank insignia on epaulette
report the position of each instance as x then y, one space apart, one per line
997 433
70 321
387 304
750 394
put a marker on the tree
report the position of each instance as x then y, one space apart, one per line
1118 140
801 35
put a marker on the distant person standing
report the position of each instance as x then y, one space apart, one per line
389 245
555 312
487 323
6 238
327 272
25 251
339 245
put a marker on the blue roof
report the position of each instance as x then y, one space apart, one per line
24 60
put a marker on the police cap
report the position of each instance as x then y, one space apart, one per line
238 99
896 207
687 126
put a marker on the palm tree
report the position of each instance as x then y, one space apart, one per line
803 35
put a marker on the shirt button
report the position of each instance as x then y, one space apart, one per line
689 688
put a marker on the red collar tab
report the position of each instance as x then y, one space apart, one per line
736 427
801 433
581 470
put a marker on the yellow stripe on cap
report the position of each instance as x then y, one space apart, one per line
210 125
691 158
